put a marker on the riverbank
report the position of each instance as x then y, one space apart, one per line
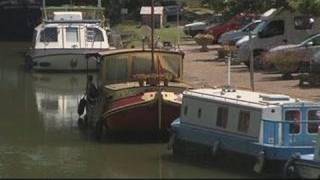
204 69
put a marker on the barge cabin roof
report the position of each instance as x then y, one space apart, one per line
247 98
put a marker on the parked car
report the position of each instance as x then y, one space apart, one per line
310 48
280 27
234 23
231 37
196 27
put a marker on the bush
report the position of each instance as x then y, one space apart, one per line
204 40
286 62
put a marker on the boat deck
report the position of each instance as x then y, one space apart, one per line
242 97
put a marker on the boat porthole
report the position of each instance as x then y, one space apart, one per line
273 110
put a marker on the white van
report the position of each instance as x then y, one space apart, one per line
278 27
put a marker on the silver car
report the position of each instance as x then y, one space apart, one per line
310 48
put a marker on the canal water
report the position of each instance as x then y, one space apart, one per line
40 137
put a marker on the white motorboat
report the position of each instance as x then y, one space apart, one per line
63 39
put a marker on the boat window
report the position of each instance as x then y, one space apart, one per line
294 117
199 112
49 35
222 117
185 112
244 121
303 22
313 121
72 34
94 34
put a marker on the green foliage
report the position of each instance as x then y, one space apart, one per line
232 7
311 7
136 34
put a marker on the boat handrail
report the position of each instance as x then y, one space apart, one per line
228 98
292 121
72 21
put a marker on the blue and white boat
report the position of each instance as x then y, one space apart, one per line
265 126
305 166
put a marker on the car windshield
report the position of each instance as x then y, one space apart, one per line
250 26
259 27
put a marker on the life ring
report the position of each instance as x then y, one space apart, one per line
81 106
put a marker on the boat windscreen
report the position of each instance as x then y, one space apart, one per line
125 67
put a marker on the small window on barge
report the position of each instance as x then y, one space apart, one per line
313 121
244 121
294 119
222 117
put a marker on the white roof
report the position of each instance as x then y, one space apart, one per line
147 10
67 15
268 14
243 97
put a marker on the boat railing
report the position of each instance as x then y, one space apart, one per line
88 12
74 21
233 99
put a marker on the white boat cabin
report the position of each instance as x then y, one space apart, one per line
271 119
68 30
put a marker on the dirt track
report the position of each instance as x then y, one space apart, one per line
204 69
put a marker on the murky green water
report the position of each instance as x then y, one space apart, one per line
39 134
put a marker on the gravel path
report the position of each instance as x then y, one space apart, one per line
203 69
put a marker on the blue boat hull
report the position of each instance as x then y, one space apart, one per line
234 142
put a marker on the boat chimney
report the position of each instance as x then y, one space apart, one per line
99 3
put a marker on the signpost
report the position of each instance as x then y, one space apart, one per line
251 62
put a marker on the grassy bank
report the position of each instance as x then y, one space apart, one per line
134 33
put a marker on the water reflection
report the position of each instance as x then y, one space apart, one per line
57 97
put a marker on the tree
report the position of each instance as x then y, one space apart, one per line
232 7
311 7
